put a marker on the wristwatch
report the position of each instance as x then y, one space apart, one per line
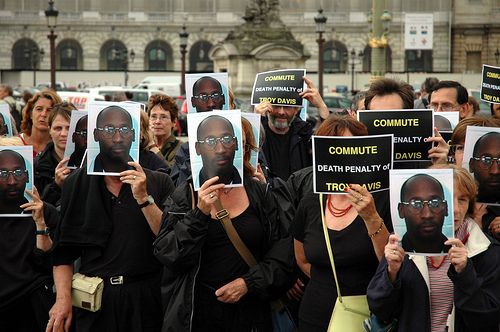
149 200
45 231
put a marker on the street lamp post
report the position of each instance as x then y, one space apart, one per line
497 55
320 21
126 61
34 56
354 57
183 36
51 14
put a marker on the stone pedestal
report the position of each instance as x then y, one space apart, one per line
262 43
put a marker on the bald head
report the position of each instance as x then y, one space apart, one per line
407 189
204 125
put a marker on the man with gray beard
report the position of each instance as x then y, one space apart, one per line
287 147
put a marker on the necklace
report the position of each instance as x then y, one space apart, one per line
337 212
437 266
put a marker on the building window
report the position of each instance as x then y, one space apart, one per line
473 62
25 54
69 55
419 60
158 56
335 57
114 55
199 60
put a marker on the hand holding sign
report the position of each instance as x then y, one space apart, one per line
394 256
313 96
457 254
439 151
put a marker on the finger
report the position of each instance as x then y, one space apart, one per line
437 133
137 166
309 83
393 239
454 242
209 182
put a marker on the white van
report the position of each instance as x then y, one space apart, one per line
171 85
79 99
138 95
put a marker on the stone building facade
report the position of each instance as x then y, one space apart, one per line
94 35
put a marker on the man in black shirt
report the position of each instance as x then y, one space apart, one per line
111 223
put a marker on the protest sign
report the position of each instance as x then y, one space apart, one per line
446 122
207 92
342 160
490 86
279 87
410 128
16 166
413 191
77 145
215 147
481 153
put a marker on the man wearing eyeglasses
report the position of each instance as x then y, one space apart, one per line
207 95
423 208
484 165
79 138
115 135
217 144
448 96
13 179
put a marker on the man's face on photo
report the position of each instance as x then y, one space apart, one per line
484 164
217 145
13 177
207 95
422 207
80 135
3 126
114 133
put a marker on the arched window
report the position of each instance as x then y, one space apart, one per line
114 56
334 57
158 56
367 59
198 57
419 60
69 55
25 55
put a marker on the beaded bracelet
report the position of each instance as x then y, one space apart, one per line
378 230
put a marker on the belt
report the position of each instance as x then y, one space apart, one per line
120 280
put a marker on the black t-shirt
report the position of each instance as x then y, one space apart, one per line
355 258
20 262
220 262
277 152
128 250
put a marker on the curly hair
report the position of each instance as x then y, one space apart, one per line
167 103
250 145
27 123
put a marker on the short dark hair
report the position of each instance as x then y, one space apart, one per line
212 117
387 86
209 78
482 139
416 176
462 94
429 84
111 108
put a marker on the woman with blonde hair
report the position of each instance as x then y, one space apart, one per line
35 124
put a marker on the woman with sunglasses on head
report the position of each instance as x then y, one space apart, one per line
50 166
210 287
459 291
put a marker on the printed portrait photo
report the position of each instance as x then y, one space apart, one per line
254 146
207 92
422 209
446 121
481 153
215 147
113 138
16 176
5 123
77 139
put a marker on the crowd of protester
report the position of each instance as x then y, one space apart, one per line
168 265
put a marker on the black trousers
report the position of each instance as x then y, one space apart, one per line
133 307
249 314
30 313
